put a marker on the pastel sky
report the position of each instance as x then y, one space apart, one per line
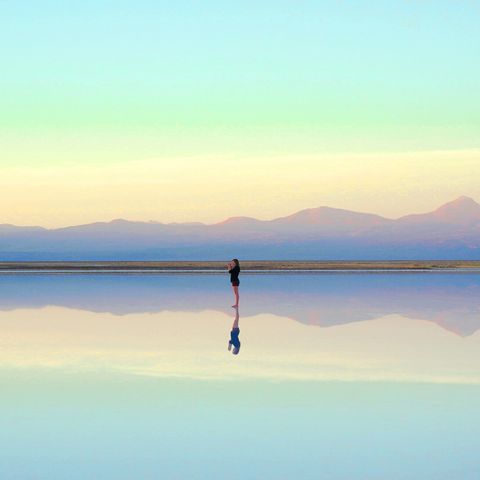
200 110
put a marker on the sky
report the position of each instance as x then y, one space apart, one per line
201 110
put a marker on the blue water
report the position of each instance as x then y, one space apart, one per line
340 376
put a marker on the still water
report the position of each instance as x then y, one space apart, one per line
336 376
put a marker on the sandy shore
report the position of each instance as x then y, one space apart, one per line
247 265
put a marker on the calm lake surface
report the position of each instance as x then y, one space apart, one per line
338 376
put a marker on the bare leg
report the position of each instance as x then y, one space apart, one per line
237 318
235 290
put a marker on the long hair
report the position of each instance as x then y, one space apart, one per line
237 263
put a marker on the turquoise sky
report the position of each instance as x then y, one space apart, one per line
154 110
250 77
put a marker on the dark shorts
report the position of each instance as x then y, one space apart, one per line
234 340
236 284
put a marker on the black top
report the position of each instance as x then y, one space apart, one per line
234 273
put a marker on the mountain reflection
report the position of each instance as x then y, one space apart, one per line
449 299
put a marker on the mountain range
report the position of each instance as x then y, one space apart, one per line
452 231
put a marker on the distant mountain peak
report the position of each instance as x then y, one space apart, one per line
238 220
119 220
462 208
327 216
460 202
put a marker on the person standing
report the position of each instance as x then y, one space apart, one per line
234 270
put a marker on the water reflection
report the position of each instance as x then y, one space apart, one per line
88 363
450 300
234 340
380 327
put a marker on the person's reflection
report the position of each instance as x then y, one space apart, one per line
234 340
